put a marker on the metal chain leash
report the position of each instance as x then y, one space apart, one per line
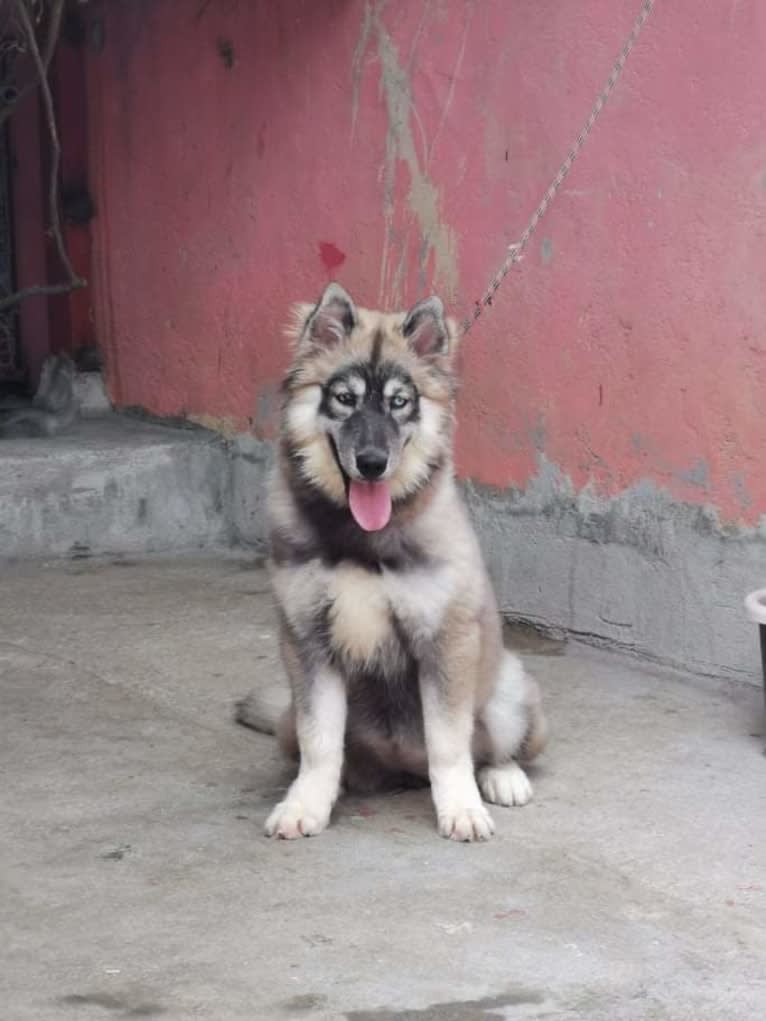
516 250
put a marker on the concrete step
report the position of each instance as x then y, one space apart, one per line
114 485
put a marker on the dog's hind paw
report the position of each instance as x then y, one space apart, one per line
505 785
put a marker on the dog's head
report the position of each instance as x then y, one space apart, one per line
368 409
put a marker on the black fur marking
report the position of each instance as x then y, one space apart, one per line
349 319
372 427
414 413
336 455
288 383
377 344
327 406
375 375
385 696
286 550
388 703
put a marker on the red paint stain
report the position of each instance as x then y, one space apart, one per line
331 256
513 913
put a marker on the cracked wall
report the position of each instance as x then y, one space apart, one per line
399 147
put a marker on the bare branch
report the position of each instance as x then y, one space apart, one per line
41 66
54 27
45 289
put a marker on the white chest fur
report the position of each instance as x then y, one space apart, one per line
363 603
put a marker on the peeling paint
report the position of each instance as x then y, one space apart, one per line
638 515
741 492
267 409
357 64
223 424
438 240
537 433
638 570
698 474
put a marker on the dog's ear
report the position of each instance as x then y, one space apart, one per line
426 329
332 318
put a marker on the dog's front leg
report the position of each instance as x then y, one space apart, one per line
320 716
448 720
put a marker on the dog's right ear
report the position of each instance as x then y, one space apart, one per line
331 320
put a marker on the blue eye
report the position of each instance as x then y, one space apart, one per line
399 401
345 398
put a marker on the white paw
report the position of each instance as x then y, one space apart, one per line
466 823
292 818
505 785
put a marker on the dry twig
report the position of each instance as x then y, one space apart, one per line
42 62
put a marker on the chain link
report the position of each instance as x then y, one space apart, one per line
516 250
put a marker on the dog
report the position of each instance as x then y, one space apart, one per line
390 633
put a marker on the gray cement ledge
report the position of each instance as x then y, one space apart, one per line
136 881
114 484
639 571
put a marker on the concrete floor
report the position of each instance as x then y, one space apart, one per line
135 881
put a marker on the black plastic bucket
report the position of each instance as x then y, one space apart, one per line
755 604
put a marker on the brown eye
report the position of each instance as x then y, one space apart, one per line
346 399
399 401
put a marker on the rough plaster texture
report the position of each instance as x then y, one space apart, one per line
114 484
639 571
137 883
251 461
400 147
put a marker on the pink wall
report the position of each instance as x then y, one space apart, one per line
400 147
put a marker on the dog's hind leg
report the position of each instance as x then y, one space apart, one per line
510 726
263 709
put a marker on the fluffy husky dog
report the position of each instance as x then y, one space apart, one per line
390 634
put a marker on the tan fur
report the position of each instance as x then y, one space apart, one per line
360 612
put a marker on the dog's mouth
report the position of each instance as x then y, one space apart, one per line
369 502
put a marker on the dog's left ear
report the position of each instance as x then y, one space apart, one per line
426 329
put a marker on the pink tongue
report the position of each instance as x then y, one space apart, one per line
370 503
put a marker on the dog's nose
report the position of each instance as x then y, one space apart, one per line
371 462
